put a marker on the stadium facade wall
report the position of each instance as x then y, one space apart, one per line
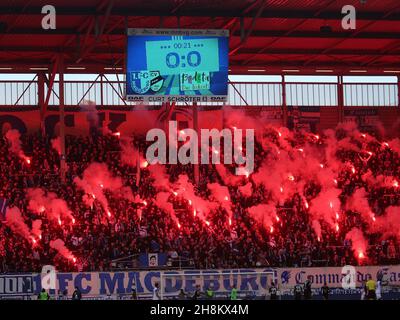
139 121
81 122
96 284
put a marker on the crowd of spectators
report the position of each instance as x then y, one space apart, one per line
137 228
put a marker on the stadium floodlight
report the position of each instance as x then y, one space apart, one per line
76 68
358 71
112 68
38 69
250 285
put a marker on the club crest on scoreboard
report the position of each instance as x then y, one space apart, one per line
195 81
144 80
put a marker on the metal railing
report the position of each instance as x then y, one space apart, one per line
132 263
269 94
371 95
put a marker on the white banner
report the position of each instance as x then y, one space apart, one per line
121 283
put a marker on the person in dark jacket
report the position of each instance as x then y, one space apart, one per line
76 295
325 291
307 290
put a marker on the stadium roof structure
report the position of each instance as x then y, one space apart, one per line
266 36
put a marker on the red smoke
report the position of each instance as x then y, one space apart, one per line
358 242
16 223
62 250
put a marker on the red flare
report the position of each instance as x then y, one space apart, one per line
101 186
319 239
337 216
59 221
301 150
230 221
369 152
363 135
271 229
395 184
321 165
93 196
145 202
331 204
226 198
179 225
280 134
335 181
194 212
385 144
361 255
117 134
353 170
291 178
109 213
73 220
306 204
40 236
74 259
373 218
33 240
190 202
316 137
207 223
337 227
277 218
281 189
175 193
144 164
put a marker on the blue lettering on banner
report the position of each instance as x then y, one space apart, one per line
93 284
63 279
148 280
190 280
16 284
172 284
299 277
78 282
227 280
212 283
247 280
108 282
134 282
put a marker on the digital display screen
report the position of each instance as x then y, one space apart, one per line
166 65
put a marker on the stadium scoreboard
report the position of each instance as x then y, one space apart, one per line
168 65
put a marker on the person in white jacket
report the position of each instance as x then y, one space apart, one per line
379 290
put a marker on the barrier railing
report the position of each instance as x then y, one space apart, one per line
269 94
